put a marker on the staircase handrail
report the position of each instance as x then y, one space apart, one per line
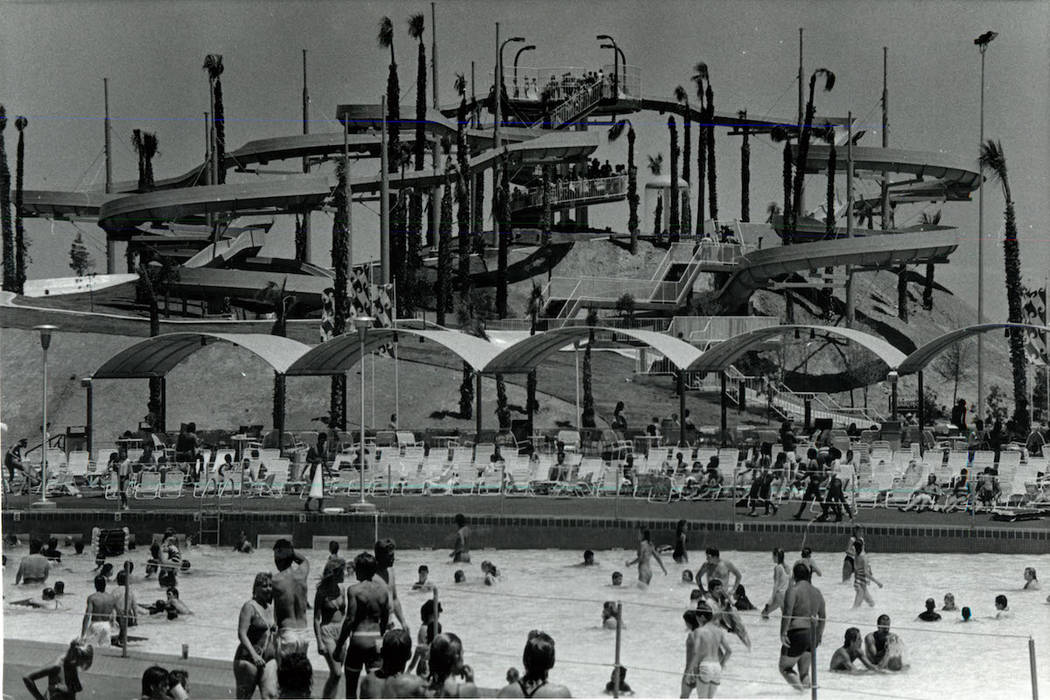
573 105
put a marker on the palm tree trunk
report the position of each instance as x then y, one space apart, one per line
502 408
927 288
902 293
466 393
220 132
658 217
701 171
687 154
502 201
587 419
479 214
21 244
300 236
545 202
785 222
444 260
674 201
419 147
341 264
10 271
1012 264
712 168
632 192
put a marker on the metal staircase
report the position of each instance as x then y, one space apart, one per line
576 106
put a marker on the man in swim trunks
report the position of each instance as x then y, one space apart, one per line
802 602
850 651
390 679
100 613
461 550
710 651
646 553
368 604
290 600
722 610
930 614
716 568
384 554
34 567
878 646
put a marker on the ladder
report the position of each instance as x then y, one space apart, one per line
208 532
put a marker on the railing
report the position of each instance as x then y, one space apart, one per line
708 329
573 191
610 289
658 325
530 83
576 104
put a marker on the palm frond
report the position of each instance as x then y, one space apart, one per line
213 64
932 220
680 95
617 129
656 163
829 78
415 26
136 140
780 134
386 33
21 123
150 144
992 158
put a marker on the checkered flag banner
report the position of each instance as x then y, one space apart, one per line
371 300
1035 314
327 314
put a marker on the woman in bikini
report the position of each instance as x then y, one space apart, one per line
781 579
646 553
449 676
538 659
367 616
254 663
329 609
63 676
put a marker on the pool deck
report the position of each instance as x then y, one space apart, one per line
529 522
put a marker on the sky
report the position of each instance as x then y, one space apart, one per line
53 57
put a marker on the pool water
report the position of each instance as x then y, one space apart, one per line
541 589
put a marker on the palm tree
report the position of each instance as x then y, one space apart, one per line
674 223
153 283
462 185
828 135
803 141
656 164
385 39
145 145
402 240
927 287
471 311
21 244
10 270
341 266
712 170
534 307
994 159
683 99
777 135
546 209
274 296
587 419
700 76
213 65
503 235
632 179
745 169
902 293
415 30
444 242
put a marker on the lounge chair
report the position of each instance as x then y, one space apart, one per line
172 486
148 486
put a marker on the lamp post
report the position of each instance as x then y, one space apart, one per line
617 58
982 45
523 49
89 420
362 323
45 343
893 377
498 90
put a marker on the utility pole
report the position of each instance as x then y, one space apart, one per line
306 165
885 142
850 304
384 203
111 245
800 206
349 202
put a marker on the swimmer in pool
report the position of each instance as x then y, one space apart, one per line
781 580
850 651
617 579
717 568
884 648
588 559
609 616
45 601
427 631
740 599
687 577
807 559
724 614
646 553
391 680
949 603
99 614
802 602
1002 608
930 614
966 616
368 610
459 576
329 608
710 651
1031 583
422 584
461 551
861 576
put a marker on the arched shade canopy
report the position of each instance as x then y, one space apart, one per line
920 357
339 354
725 353
526 355
155 357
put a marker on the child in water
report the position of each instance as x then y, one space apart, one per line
609 616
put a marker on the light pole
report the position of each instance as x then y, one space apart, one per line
617 58
893 377
498 90
362 323
982 45
45 343
523 49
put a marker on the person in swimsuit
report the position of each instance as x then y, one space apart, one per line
449 676
538 660
427 631
722 610
847 562
710 651
461 550
807 559
329 608
850 651
883 648
100 613
861 576
740 599
716 568
1031 583
384 554
254 662
781 579
802 602
930 614
646 553
680 555
949 603
63 675
290 599
366 618
609 616
390 680
422 584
